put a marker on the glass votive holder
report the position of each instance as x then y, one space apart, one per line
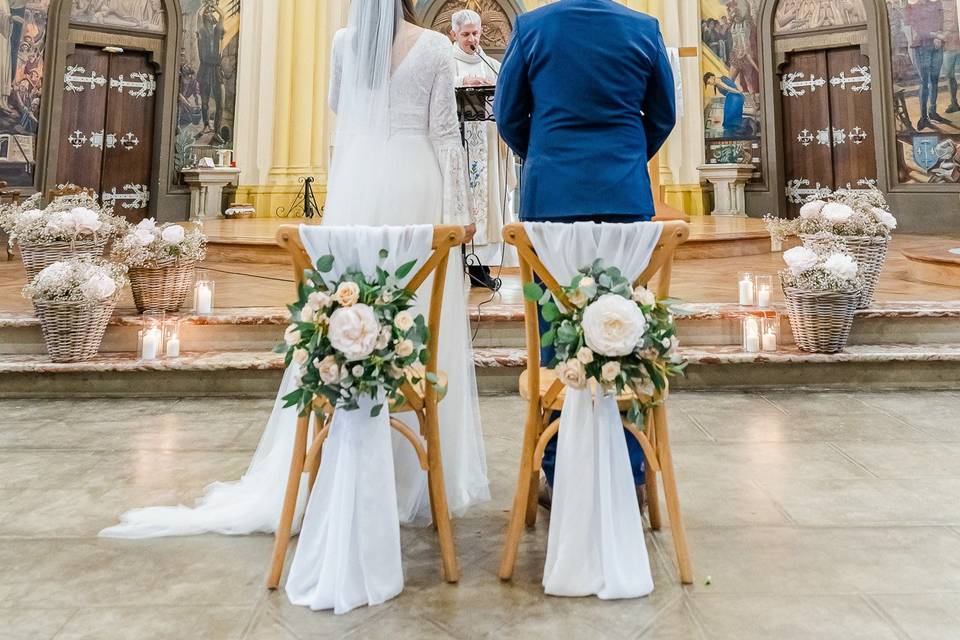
751 328
150 338
171 337
763 291
746 288
203 294
770 332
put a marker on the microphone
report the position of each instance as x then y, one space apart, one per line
474 49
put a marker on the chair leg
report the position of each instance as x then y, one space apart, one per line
438 499
670 494
533 499
282 538
653 496
508 558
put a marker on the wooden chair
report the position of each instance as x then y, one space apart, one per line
545 395
421 399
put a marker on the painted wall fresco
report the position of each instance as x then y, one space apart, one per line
23 33
208 80
808 15
925 51
137 15
731 81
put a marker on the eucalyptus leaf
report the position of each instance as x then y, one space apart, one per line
325 264
532 291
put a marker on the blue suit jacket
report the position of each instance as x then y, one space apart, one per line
586 97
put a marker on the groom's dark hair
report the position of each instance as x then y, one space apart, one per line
408 13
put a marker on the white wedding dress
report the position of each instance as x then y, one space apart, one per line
416 177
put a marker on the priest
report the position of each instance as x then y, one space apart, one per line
491 171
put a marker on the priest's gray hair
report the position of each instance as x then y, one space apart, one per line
464 17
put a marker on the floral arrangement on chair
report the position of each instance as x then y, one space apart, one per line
89 283
621 337
151 245
354 337
66 219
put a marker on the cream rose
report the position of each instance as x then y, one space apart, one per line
100 286
85 220
347 294
403 321
837 212
292 335
174 234
318 300
613 325
357 370
404 348
586 282
354 331
799 259
572 374
300 356
384 339
812 209
610 371
841 265
642 295
328 370
585 355
578 298
141 237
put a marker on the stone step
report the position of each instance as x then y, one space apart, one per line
501 326
899 366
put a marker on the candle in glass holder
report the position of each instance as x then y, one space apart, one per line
203 294
769 340
151 342
751 335
746 288
763 286
172 336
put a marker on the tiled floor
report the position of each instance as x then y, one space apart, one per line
814 515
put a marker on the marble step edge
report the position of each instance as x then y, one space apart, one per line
493 358
507 313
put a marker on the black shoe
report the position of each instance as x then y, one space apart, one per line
923 123
936 117
953 108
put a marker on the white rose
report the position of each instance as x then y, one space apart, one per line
837 212
799 259
384 338
812 209
610 371
292 335
841 265
147 224
328 370
884 217
586 282
174 234
357 370
318 300
85 220
613 325
354 331
572 374
578 298
585 355
347 294
100 286
404 348
404 321
642 295
30 216
142 237
300 356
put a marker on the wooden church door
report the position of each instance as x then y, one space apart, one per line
107 124
828 130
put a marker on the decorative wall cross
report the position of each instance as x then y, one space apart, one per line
799 191
137 196
793 87
141 85
861 82
74 79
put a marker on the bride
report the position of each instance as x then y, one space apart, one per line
397 161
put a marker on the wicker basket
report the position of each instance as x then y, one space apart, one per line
37 257
162 288
72 332
821 320
870 252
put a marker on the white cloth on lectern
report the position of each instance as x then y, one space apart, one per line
595 544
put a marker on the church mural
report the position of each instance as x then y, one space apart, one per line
793 16
136 15
731 81
925 51
207 95
23 32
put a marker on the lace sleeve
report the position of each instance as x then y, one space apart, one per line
445 135
336 71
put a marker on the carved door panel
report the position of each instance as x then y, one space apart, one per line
82 120
828 134
806 126
107 120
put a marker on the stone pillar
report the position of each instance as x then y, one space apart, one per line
729 182
206 190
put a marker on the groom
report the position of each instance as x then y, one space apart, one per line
586 97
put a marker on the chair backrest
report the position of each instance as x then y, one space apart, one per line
445 238
674 233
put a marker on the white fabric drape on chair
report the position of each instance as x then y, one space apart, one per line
348 553
595 545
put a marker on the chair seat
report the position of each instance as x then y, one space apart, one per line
549 376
